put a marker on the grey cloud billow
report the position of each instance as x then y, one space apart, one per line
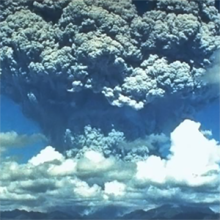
95 73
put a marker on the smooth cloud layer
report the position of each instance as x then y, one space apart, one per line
13 139
190 174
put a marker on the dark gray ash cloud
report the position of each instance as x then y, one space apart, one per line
105 77
73 64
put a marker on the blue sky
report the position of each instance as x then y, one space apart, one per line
209 117
12 119
135 184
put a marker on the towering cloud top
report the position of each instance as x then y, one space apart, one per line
107 48
108 82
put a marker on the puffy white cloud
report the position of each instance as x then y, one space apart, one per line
193 154
191 173
115 188
153 169
93 161
67 167
194 159
93 156
82 189
46 155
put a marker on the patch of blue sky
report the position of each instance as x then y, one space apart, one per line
12 119
209 117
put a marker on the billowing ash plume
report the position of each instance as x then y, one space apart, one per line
113 85
97 74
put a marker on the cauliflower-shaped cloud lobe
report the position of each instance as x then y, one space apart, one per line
76 64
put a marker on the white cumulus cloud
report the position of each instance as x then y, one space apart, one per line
191 173
46 155
194 159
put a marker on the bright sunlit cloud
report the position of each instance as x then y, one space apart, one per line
194 161
46 155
